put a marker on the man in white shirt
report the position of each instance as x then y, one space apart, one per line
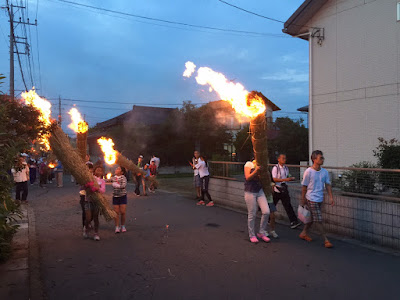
21 176
156 160
280 174
312 195
197 180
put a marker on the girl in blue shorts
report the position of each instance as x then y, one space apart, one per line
119 198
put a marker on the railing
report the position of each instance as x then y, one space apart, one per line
349 180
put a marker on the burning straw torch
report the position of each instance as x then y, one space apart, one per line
71 159
81 128
112 156
250 106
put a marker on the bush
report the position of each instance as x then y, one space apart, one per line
359 181
388 155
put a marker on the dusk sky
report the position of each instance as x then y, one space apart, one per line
98 56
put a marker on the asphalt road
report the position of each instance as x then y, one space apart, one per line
204 254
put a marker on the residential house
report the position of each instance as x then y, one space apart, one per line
354 75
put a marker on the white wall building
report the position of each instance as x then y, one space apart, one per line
354 75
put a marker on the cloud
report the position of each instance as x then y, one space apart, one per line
290 75
288 58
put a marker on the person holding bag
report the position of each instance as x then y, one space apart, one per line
312 195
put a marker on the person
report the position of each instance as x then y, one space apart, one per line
119 198
280 174
20 173
272 210
43 170
153 175
254 197
139 178
204 175
156 160
32 171
312 195
91 207
82 200
59 169
196 179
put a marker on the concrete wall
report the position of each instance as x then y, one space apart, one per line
355 86
371 221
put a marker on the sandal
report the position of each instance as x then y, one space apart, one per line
201 202
305 237
211 203
328 244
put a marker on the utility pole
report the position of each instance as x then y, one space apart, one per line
13 43
11 16
59 110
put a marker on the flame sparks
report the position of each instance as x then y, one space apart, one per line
78 124
235 93
107 146
108 175
190 68
44 107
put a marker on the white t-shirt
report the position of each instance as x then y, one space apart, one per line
282 173
157 161
315 182
202 168
195 170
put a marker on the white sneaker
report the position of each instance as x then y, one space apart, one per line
96 237
274 234
117 230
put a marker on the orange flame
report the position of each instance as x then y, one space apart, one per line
52 166
108 175
44 107
107 146
78 124
234 93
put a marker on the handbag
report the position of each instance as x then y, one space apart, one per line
304 214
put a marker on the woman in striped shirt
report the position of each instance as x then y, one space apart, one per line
119 198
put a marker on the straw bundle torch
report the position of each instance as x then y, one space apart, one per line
70 158
112 156
249 105
81 128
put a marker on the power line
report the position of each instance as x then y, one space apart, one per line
253 13
169 21
261 16
117 102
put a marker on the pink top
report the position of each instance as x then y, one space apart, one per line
102 184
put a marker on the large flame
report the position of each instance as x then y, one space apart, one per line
51 166
234 93
109 175
190 68
44 107
107 146
77 124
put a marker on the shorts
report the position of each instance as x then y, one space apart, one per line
92 206
120 200
197 181
315 209
272 207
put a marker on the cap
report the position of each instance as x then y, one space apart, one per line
140 156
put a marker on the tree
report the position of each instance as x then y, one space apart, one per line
292 140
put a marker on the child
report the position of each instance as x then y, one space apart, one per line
119 198
91 207
153 174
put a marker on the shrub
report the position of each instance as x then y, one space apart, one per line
359 181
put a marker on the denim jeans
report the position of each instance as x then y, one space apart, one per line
253 200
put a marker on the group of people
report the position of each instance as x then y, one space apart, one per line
90 209
315 178
27 168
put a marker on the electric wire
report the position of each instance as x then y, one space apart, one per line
169 21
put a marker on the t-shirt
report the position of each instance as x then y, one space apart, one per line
156 160
253 185
153 170
119 185
280 172
21 174
315 182
202 168
195 161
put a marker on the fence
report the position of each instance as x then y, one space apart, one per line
384 183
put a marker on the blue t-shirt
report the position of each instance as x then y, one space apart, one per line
315 182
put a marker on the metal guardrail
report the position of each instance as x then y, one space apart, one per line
352 181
